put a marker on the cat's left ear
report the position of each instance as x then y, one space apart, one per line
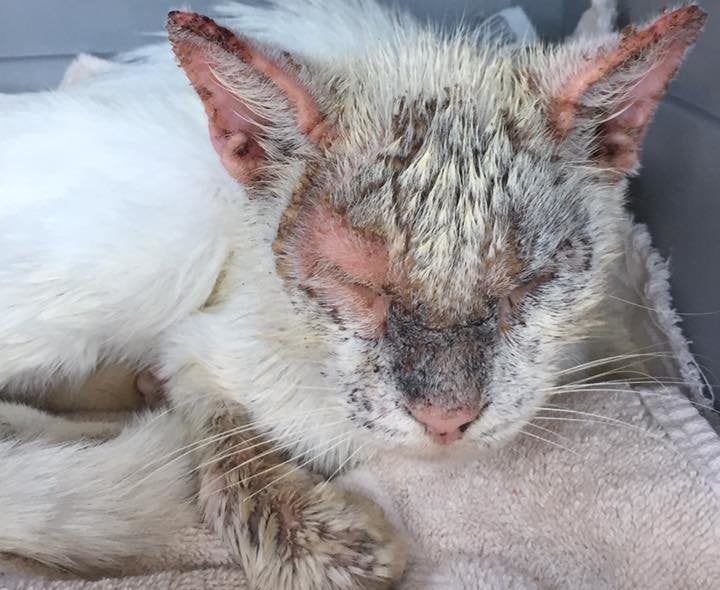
257 106
609 93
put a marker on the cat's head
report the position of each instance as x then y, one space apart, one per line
449 208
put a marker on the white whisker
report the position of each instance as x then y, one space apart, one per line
264 454
241 448
550 442
292 459
342 465
300 466
548 430
606 419
645 307
193 447
706 406
617 358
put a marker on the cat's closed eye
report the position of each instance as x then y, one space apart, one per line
510 306
568 257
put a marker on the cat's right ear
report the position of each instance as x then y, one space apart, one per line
254 101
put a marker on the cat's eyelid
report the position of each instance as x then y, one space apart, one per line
534 282
340 274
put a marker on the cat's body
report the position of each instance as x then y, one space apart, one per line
120 272
426 227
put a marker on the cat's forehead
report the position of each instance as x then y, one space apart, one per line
449 188
439 129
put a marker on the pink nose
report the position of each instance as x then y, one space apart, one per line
444 426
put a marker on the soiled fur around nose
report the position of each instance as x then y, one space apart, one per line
472 189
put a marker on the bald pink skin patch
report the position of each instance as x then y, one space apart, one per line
670 35
233 125
344 267
364 258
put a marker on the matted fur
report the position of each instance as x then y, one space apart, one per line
499 232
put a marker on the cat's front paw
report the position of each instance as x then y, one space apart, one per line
301 535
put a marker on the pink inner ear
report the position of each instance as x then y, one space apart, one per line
624 133
644 95
669 37
234 127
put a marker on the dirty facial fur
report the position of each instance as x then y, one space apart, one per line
445 211
393 238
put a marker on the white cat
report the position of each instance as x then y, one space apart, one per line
391 246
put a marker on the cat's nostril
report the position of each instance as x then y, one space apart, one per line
444 426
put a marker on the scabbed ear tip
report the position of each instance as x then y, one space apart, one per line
178 19
173 18
696 13
690 17
699 17
694 16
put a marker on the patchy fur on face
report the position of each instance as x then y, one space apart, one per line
450 227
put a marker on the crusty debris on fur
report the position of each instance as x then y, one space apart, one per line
300 526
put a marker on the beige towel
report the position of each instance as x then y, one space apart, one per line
624 495
629 498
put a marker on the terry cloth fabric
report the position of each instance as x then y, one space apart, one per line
618 487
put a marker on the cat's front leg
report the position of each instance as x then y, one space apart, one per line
289 530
